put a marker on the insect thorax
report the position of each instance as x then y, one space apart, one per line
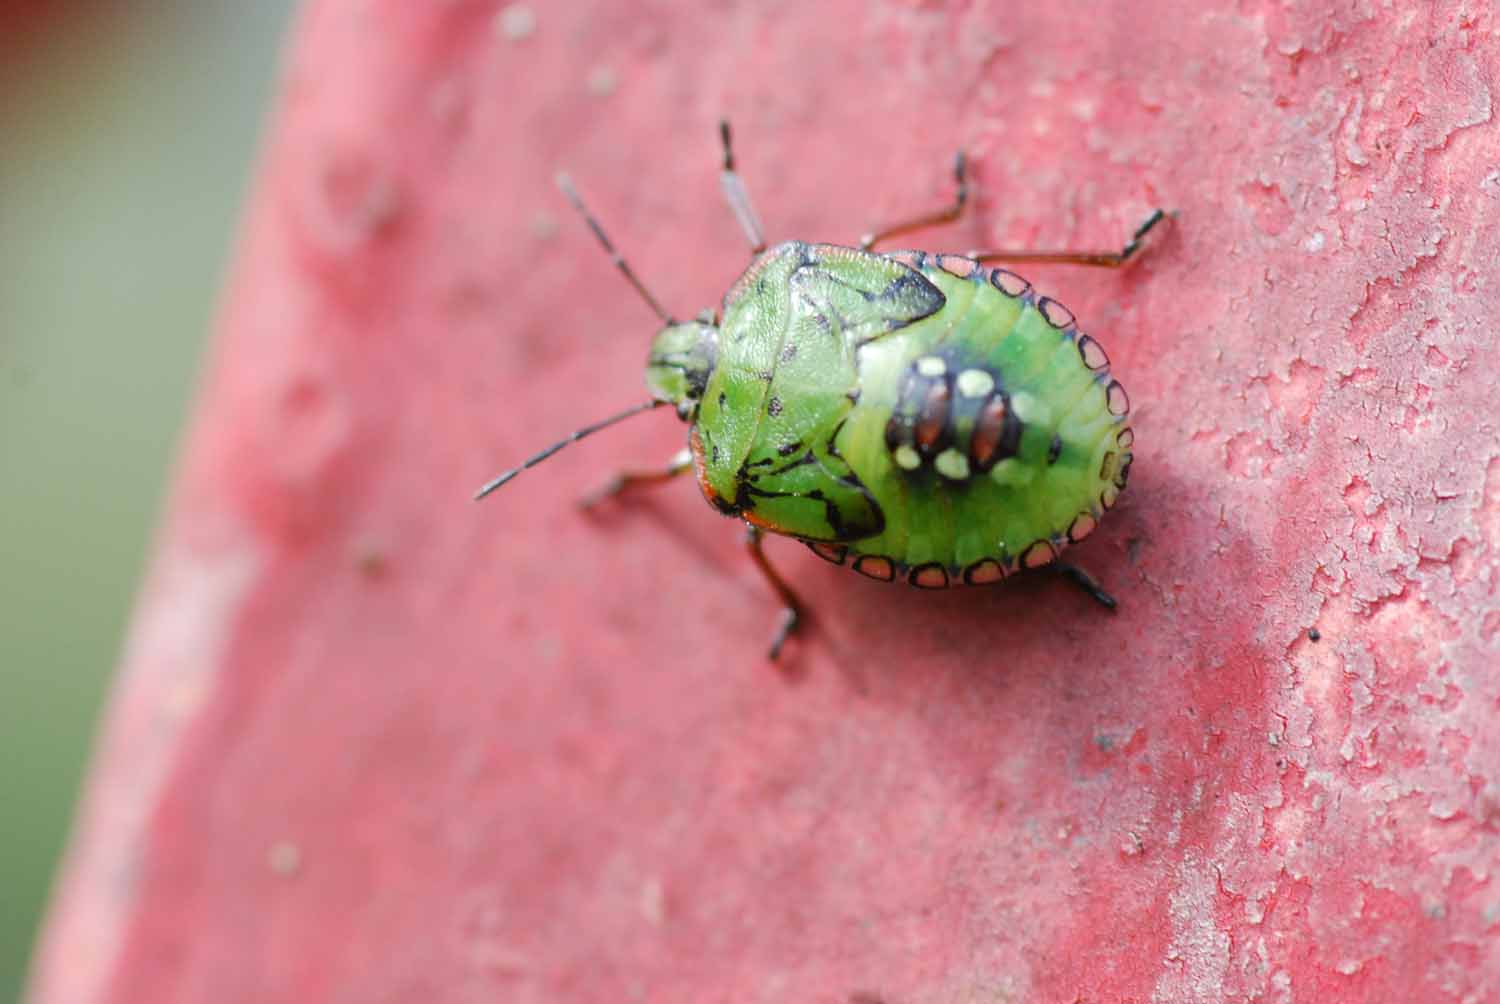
786 380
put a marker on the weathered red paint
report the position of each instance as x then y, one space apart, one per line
372 742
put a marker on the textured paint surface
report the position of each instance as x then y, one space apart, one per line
374 743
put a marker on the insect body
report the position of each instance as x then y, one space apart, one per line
916 417
913 416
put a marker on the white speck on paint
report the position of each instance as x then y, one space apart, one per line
543 225
284 858
516 22
602 81
1314 242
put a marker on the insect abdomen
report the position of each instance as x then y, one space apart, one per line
991 433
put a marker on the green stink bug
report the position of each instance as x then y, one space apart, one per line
911 415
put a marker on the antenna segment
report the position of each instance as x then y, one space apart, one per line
587 430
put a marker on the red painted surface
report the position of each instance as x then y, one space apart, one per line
373 742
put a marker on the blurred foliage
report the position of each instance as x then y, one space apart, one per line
127 131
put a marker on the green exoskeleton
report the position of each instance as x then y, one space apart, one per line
913 416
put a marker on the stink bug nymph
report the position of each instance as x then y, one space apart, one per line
909 415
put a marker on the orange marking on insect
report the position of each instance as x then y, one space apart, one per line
875 566
1119 401
988 431
933 417
957 264
1056 314
1083 525
700 470
1008 282
933 576
1039 555
748 279
835 553
749 515
911 259
1094 356
984 572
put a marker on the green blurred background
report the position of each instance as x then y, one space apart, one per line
127 133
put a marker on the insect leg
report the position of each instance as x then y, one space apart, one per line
791 611
622 482
1083 580
948 214
1105 259
738 196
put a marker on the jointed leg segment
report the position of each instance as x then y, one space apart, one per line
952 213
791 607
624 481
948 214
1083 580
1104 259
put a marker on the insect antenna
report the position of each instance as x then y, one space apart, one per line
737 195
566 184
587 430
